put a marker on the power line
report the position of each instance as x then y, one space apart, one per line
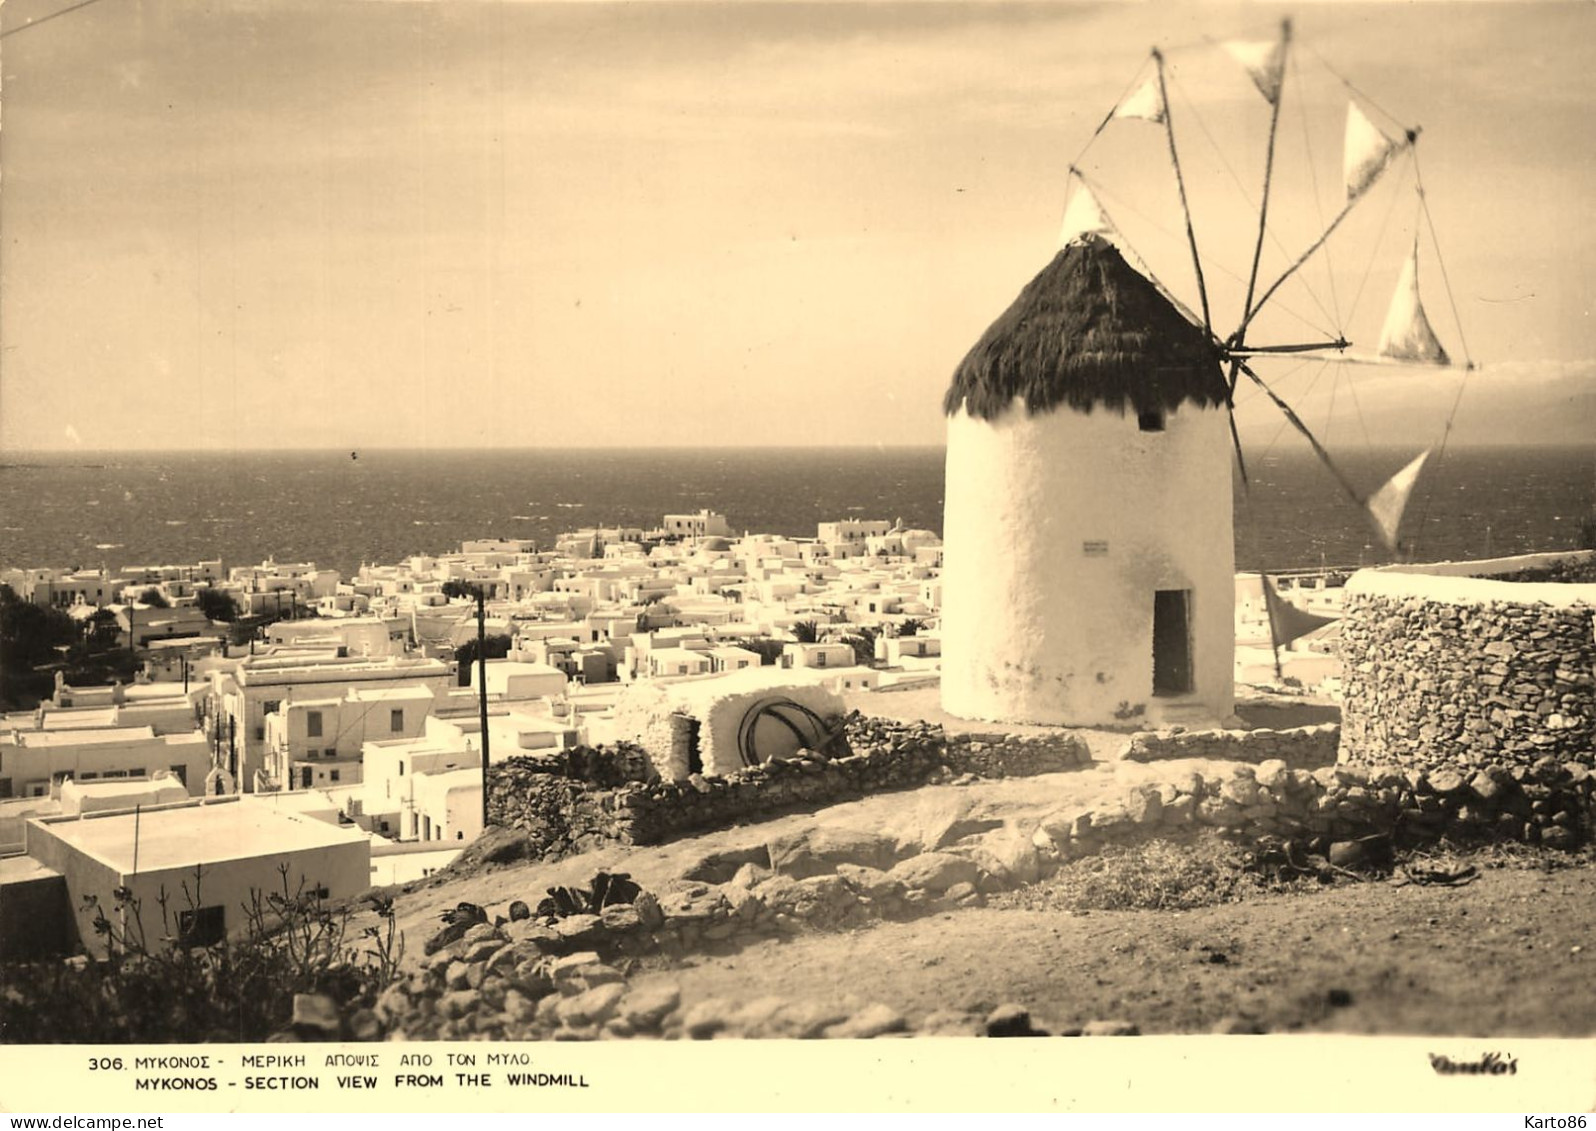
51 16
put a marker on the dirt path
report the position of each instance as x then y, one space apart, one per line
1510 955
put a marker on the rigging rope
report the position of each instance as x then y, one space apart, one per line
1468 361
1274 236
1121 202
1369 267
1318 204
1346 82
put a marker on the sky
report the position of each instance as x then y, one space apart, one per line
400 223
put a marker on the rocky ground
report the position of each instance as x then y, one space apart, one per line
1508 955
1176 939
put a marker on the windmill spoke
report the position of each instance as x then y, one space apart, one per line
1313 441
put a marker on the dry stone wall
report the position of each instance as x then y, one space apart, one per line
1465 673
1297 747
1545 803
564 813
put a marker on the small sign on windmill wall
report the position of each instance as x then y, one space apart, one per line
1094 548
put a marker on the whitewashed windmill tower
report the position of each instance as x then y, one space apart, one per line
1089 568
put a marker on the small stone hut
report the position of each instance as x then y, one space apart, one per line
721 725
1471 664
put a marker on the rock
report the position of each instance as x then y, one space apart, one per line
806 1020
1346 853
579 929
363 1026
457 976
1010 855
479 949
598 974
964 894
540 935
872 883
457 1004
1239 790
518 1007
871 1021
934 872
621 918
934 822
570 965
748 875
591 1007
720 867
646 1008
1143 805
818 851
449 935
1273 774
755 1018
1110 1029
1447 782
706 1018
1010 1021
648 911
393 1004
1109 819
744 904
1558 837
316 1015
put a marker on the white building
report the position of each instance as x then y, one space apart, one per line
1089 562
704 524
315 742
221 850
242 696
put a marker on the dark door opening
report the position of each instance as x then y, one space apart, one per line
1171 642
695 757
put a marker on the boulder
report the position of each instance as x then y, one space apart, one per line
646 1008
871 1021
935 872
818 851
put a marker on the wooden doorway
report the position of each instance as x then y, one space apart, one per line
1172 667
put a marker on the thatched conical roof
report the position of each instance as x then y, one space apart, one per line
1089 330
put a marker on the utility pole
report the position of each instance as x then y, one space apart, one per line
482 695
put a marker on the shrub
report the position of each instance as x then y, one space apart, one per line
155 987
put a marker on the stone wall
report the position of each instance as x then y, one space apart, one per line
1448 671
565 813
1545 803
1298 747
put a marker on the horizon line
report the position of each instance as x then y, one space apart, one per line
7 453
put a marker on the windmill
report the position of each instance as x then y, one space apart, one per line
1093 541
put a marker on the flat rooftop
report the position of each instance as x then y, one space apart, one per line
44 738
185 835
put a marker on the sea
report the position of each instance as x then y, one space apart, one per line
341 509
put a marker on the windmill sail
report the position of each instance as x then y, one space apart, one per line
1264 61
1286 621
1147 103
1367 151
1407 335
1386 505
1084 216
